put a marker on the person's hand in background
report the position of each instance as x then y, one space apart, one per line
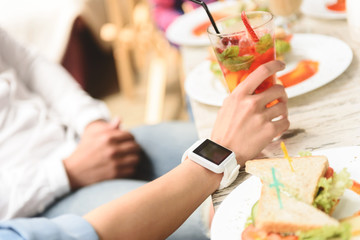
244 124
104 152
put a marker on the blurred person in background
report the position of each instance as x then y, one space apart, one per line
166 11
60 152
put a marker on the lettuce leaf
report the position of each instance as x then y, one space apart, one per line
343 232
305 153
331 189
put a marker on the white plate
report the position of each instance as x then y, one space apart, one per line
180 31
334 57
231 215
318 9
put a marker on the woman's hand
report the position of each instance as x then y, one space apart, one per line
244 124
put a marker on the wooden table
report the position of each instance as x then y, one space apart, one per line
324 118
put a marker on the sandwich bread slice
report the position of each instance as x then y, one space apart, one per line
300 180
292 216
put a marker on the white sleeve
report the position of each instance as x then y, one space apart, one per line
29 189
54 84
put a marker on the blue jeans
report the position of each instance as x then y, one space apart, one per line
163 145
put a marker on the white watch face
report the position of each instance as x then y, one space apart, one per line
212 152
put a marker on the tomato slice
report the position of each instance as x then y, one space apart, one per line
253 233
329 172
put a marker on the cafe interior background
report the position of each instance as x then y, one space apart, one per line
112 48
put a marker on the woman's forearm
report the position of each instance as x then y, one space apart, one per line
244 124
157 209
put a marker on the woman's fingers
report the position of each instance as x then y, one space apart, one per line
280 109
276 92
259 75
280 126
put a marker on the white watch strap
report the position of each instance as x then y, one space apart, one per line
230 174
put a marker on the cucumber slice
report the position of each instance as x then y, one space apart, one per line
254 212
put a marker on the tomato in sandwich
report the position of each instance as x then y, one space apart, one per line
253 233
329 172
331 188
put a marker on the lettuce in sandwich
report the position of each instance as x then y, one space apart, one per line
331 189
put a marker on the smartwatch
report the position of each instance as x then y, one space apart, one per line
216 158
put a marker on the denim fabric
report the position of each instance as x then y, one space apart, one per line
66 227
163 145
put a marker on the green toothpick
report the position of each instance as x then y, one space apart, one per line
277 185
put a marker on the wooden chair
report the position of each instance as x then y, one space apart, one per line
140 49
119 32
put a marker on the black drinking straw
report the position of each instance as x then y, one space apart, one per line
208 13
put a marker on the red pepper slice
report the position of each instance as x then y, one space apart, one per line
355 188
248 27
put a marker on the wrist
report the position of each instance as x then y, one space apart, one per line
215 158
213 179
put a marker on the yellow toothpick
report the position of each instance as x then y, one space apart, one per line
286 155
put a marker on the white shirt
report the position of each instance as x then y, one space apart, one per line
42 113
